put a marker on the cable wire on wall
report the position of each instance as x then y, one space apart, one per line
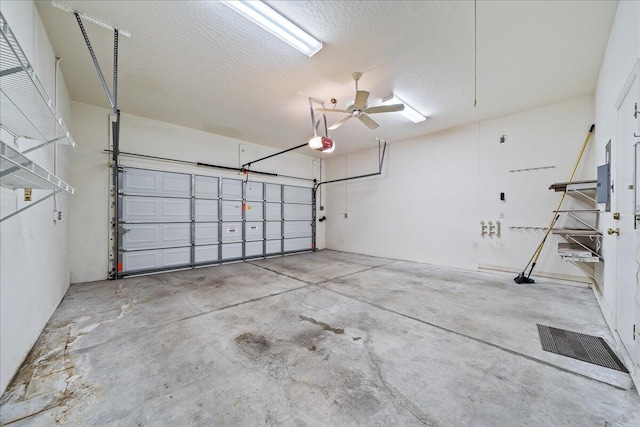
475 53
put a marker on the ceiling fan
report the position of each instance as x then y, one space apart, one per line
359 108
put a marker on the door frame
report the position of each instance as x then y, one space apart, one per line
633 77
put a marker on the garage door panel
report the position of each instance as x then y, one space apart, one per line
206 187
254 231
231 189
297 244
295 212
231 210
155 259
204 254
253 249
274 211
155 209
254 210
273 192
274 230
150 236
155 183
231 231
274 246
294 194
231 251
206 232
297 229
206 210
232 220
254 191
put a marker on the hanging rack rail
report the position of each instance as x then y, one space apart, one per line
248 164
381 153
208 165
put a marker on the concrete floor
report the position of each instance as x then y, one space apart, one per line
325 338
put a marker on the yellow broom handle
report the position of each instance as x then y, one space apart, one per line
538 251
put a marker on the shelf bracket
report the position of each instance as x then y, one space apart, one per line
95 62
53 193
60 138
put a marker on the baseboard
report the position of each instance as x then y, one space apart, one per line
560 279
610 321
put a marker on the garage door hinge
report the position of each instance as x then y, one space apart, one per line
635 111
634 332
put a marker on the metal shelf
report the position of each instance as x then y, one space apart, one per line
577 232
17 171
583 243
27 110
574 185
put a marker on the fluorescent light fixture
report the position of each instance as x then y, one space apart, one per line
322 143
408 112
266 17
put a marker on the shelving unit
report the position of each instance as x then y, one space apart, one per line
583 238
26 111
17 171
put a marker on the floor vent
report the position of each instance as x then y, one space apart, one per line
587 348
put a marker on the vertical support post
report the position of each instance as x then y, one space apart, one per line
219 220
264 220
115 179
115 68
193 221
282 219
244 219
313 215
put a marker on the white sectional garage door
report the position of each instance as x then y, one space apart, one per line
176 220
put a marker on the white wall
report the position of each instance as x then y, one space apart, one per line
435 190
550 136
417 209
90 172
623 51
34 250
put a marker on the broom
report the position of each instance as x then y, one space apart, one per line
521 278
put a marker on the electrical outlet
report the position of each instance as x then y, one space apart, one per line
501 214
346 215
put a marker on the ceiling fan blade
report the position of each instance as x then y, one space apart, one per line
371 124
338 124
332 110
361 99
385 109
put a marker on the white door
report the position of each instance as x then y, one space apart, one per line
627 285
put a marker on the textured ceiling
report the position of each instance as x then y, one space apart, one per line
201 65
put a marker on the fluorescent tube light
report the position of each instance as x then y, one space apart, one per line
408 112
266 17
